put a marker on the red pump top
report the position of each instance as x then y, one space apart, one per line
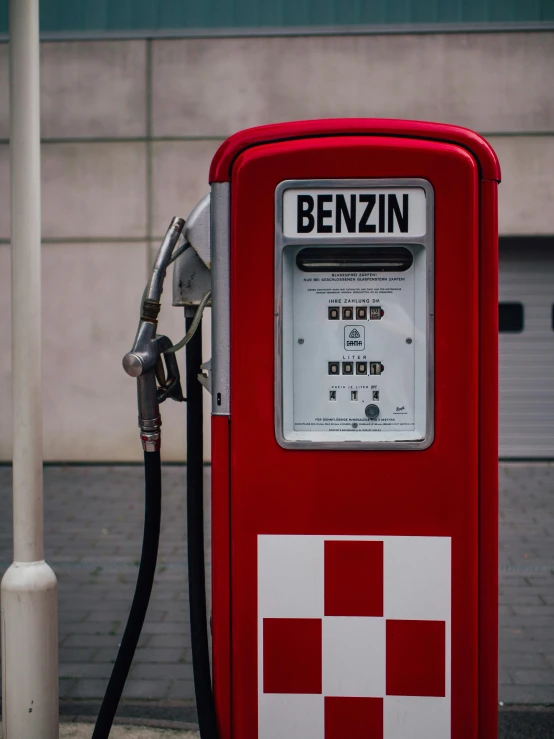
222 163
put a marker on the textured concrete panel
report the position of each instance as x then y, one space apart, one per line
94 190
179 178
526 193
5 197
88 89
93 89
91 295
490 82
4 92
89 190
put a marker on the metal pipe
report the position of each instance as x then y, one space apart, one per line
162 259
29 587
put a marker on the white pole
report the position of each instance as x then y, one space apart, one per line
29 587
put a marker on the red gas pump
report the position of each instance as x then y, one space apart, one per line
354 499
351 267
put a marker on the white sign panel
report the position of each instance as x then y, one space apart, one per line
346 370
327 213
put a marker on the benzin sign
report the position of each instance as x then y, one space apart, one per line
367 211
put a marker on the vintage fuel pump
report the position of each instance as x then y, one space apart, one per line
352 272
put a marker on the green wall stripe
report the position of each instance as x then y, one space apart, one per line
85 16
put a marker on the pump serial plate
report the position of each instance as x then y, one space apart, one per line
354 314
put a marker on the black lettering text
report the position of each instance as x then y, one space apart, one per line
382 214
305 219
343 212
364 227
323 213
394 211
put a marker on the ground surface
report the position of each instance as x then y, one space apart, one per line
83 731
93 529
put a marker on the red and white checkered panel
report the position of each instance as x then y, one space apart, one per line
354 637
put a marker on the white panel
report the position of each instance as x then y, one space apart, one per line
527 359
326 407
354 656
417 578
407 717
290 582
290 716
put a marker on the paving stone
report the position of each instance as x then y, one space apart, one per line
532 694
531 611
77 655
521 660
85 669
182 690
177 641
88 688
533 677
147 689
166 627
504 677
66 686
153 671
93 627
165 656
90 640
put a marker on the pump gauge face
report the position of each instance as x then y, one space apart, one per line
354 329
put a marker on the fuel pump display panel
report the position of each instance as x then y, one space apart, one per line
354 339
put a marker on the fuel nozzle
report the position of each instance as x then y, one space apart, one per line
150 360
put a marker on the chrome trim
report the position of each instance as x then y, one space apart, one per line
221 291
197 230
281 241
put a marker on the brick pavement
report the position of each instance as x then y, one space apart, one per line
93 535
93 530
527 583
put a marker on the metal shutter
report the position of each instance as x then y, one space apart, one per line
527 358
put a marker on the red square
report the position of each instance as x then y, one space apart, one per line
353 578
416 658
292 655
353 718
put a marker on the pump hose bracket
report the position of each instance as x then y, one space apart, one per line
167 372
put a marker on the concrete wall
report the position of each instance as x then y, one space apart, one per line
129 129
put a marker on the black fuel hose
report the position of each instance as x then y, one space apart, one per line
195 539
145 579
